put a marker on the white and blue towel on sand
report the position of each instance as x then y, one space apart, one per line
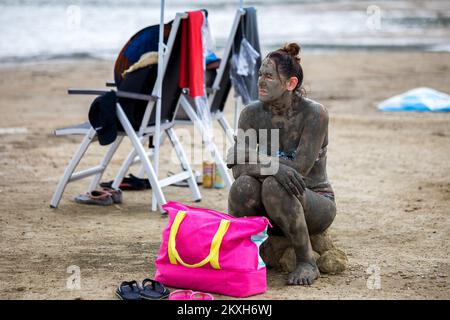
420 99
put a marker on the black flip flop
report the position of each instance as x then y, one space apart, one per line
153 290
130 183
129 290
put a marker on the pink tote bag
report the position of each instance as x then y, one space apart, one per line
207 250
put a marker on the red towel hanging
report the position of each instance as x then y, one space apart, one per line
191 62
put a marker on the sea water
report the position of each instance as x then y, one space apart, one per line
35 30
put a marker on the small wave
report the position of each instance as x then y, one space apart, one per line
440 48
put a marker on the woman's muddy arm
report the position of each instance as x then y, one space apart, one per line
253 170
310 143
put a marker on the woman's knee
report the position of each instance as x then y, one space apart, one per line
270 187
246 191
274 193
271 192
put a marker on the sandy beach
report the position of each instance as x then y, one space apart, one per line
390 172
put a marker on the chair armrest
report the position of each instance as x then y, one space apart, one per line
119 93
87 91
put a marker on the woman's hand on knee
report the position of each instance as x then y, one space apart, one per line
291 180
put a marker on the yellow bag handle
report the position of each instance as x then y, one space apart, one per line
213 256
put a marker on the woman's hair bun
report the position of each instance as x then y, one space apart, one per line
293 49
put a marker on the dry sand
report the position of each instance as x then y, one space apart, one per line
390 171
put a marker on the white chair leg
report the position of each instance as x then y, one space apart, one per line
124 169
71 168
136 141
141 172
226 127
105 161
196 196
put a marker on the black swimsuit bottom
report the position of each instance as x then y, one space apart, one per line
326 194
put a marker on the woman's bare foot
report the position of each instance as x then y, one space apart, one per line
304 274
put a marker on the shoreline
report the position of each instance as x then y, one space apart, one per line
307 49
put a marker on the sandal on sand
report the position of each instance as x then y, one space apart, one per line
116 195
201 296
181 295
130 183
190 295
96 197
153 290
128 290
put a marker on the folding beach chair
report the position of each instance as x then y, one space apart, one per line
218 86
139 129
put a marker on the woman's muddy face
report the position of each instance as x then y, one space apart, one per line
271 86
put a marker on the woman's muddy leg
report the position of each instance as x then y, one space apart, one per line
287 212
320 212
244 198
